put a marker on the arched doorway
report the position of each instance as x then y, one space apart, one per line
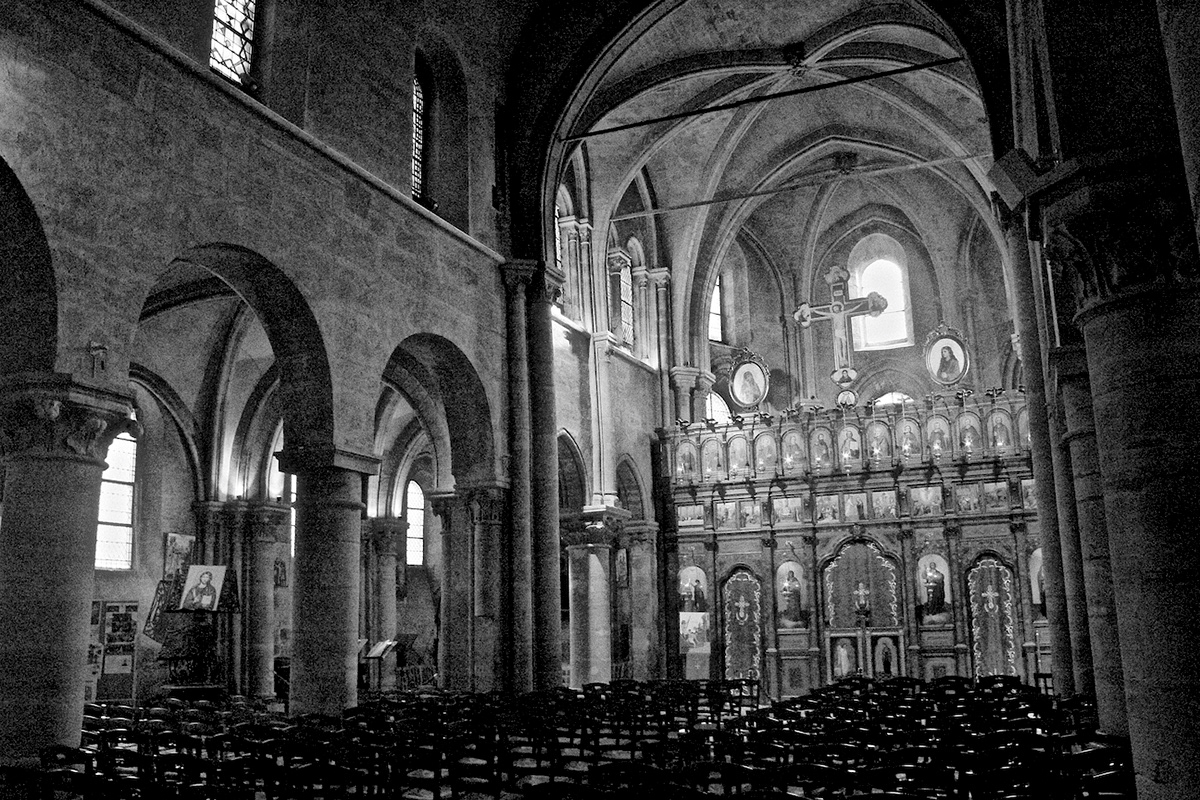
863 598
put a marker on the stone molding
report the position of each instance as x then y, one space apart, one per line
52 416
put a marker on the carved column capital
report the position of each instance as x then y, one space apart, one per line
684 377
661 277
1118 239
51 416
547 284
444 504
618 260
519 272
705 380
487 503
268 523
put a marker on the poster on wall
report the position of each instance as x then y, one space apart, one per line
118 630
95 652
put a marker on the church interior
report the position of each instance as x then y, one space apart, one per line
653 348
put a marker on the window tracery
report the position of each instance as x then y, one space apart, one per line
231 51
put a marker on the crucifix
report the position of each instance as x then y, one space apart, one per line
990 595
742 604
839 310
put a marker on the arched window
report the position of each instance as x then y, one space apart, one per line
715 408
282 486
892 399
414 514
419 118
878 264
114 525
231 51
716 323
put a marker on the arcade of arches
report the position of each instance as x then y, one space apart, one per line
681 339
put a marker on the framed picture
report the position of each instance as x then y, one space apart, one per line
883 504
177 552
855 506
725 515
925 501
946 355
827 508
995 496
202 589
748 382
690 516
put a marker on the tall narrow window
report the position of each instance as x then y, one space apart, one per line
414 514
716 325
878 264
627 305
233 39
282 486
558 258
114 528
418 137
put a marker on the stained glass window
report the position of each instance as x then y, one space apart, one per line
418 137
233 39
414 513
114 528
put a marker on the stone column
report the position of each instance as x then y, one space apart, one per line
1128 248
1080 438
455 652
1072 560
325 618
641 541
704 385
604 458
1179 21
488 605
683 380
1029 339
386 537
54 436
660 278
589 564
268 526
547 608
517 277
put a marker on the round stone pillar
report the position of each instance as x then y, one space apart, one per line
1080 437
386 535
517 277
1072 560
544 547
55 436
268 527
455 637
1127 247
683 381
325 616
1029 341
590 616
1179 21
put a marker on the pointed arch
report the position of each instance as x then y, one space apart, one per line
629 488
572 478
